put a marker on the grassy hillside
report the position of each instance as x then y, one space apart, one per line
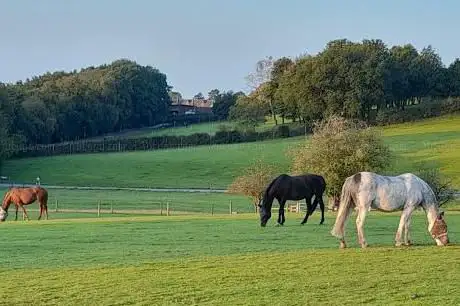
223 261
206 127
435 141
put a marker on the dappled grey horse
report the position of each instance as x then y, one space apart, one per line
365 190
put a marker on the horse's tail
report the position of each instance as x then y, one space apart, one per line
43 196
323 184
345 208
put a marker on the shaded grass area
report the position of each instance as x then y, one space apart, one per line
431 141
225 261
206 127
181 130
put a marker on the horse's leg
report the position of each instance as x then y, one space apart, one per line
279 213
41 211
16 219
46 210
360 226
321 206
281 217
407 240
24 212
404 223
309 209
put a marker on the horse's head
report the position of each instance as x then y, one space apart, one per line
265 214
3 214
439 230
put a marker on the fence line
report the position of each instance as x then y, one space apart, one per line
102 208
197 190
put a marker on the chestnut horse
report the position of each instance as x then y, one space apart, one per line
24 196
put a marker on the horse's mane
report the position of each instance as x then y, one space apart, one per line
5 197
265 196
428 193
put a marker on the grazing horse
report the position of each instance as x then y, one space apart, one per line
404 192
294 188
24 196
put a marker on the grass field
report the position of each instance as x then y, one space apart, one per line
434 140
147 202
223 261
78 258
205 127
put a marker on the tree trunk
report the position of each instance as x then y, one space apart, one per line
272 110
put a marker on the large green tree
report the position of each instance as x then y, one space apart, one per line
96 100
357 80
223 102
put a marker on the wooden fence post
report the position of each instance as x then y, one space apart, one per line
231 210
111 207
56 205
99 208
167 208
212 209
161 208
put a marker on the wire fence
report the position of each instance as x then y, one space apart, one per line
165 208
59 208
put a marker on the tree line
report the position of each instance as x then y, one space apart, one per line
64 106
365 80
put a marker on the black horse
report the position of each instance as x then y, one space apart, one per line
293 188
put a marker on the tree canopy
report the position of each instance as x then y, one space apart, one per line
65 106
352 79
223 102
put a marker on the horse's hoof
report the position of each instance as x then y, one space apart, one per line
364 245
342 245
409 243
398 244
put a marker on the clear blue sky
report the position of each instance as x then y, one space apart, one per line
206 44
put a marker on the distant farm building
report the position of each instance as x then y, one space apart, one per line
191 107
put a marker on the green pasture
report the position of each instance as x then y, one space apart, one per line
64 204
207 127
180 130
135 202
430 141
226 260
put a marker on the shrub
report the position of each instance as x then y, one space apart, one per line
340 148
439 183
254 181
